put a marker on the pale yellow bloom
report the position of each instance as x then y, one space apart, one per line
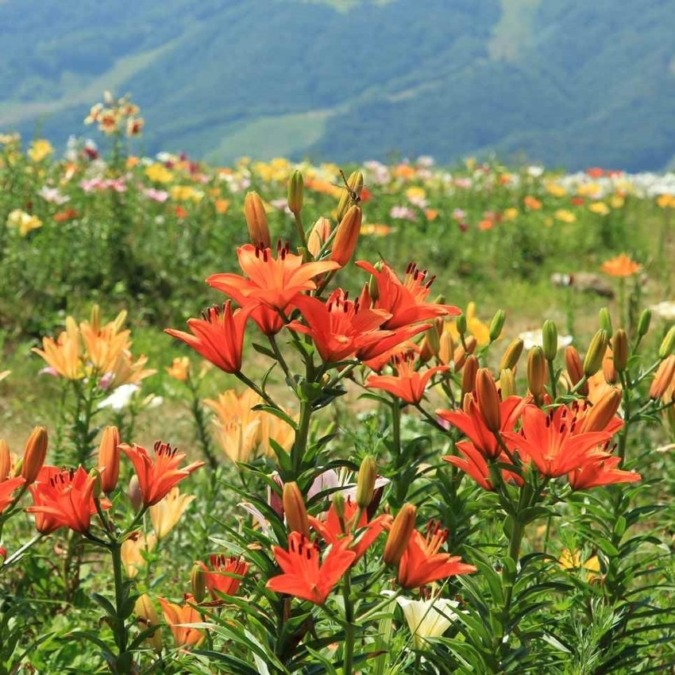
179 368
555 189
600 208
158 173
184 193
134 551
22 221
39 150
571 560
375 229
414 194
565 216
619 201
474 326
510 214
666 201
166 513
427 618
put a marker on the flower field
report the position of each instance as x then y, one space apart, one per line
284 418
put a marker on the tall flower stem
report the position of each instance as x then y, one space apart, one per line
301 438
120 598
200 424
349 626
623 436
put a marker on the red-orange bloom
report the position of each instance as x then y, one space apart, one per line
219 337
223 577
422 563
274 282
620 266
408 384
64 498
405 301
304 575
471 423
475 464
551 440
603 472
7 488
158 474
176 616
332 532
339 327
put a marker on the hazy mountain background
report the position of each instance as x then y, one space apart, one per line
571 83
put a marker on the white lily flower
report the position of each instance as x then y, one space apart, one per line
427 618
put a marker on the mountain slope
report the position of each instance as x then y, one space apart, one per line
568 82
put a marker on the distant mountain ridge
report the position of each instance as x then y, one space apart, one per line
567 82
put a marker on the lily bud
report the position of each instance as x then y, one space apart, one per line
294 508
347 236
668 344
256 220
663 378
295 192
609 372
338 501
95 474
507 383
469 375
318 236
431 345
354 186
147 616
198 582
399 535
602 412
34 454
510 357
447 348
575 369
595 353
605 320
497 324
620 349
135 494
109 458
488 400
536 371
365 483
550 339
643 322
5 460
460 324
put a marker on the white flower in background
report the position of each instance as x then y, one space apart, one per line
535 171
120 398
535 338
665 310
427 618
52 195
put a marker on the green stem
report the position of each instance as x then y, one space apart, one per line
349 626
301 437
250 383
623 436
301 229
120 598
551 372
203 437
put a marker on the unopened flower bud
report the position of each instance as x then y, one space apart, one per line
507 383
294 508
318 236
600 415
667 344
536 371
469 375
643 322
354 187
365 483
399 535
605 320
460 324
510 357
497 324
447 348
34 454
575 369
663 378
109 458
347 236
550 339
256 220
431 346
295 192
198 582
135 494
96 490
5 460
273 496
595 353
620 349
147 616
338 501
609 372
488 400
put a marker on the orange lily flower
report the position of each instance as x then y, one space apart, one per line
472 424
405 301
421 562
408 384
177 616
156 476
339 327
475 464
7 488
219 338
602 472
304 575
64 498
552 442
273 282
620 266
332 532
223 577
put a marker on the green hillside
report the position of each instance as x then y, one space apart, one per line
566 82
